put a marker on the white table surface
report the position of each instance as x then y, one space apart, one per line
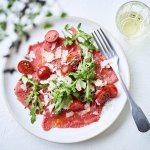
122 135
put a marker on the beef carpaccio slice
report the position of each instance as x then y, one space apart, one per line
76 121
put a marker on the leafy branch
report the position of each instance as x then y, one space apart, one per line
27 14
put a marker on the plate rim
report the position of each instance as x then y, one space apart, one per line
115 118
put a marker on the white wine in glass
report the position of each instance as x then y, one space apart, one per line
133 19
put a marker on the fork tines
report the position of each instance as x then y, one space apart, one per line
103 43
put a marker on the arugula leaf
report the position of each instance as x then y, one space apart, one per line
63 96
66 27
88 93
85 74
33 99
87 71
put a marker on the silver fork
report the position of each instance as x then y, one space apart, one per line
109 52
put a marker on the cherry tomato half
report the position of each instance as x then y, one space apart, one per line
66 69
76 105
25 67
44 72
103 96
112 90
51 36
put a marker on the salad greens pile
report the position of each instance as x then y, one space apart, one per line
82 78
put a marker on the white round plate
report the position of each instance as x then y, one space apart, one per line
69 135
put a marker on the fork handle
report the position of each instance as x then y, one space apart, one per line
139 117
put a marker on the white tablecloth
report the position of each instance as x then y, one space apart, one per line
123 134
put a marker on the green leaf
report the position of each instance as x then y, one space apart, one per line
34 15
49 14
33 113
19 30
3 25
63 14
47 25
79 27
88 93
10 3
29 98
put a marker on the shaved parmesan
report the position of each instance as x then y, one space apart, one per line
58 73
58 53
53 46
48 56
50 107
64 56
51 86
87 109
68 80
97 102
69 114
105 64
95 113
99 82
46 99
45 81
29 76
24 87
24 80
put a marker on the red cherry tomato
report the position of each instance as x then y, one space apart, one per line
44 72
51 36
25 67
66 69
76 105
112 90
103 96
